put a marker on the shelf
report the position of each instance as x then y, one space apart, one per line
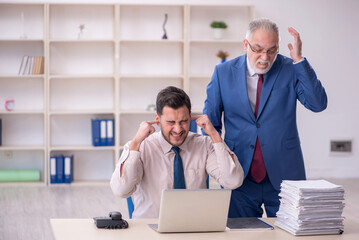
129 92
81 58
31 76
124 112
81 112
162 41
90 165
12 54
20 40
81 148
200 76
149 77
153 55
28 94
203 56
197 93
129 124
102 60
24 157
22 21
236 41
21 148
70 76
236 17
53 41
82 183
72 130
145 22
84 94
97 21
23 129
16 184
23 112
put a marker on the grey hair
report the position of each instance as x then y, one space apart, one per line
262 23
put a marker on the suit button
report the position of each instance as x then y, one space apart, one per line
258 125
252 146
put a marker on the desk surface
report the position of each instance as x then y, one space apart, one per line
68 229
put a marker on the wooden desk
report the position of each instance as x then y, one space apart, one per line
68 229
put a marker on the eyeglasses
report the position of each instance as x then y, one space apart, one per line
271 51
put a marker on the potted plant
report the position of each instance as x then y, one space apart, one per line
222 55
218 27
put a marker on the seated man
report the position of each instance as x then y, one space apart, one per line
172 158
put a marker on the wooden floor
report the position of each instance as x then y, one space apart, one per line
25 211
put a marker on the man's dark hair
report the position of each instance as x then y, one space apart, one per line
172 97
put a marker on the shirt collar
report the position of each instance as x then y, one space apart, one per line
166 146
250 70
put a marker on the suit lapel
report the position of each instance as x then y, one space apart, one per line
268 83
239 73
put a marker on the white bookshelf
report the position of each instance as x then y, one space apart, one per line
23 129
82 85
112 68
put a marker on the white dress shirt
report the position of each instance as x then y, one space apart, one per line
148 171
252 81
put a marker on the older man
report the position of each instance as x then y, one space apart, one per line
258 93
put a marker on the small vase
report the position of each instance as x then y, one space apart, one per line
218 33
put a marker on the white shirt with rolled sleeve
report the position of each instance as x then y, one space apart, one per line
148 171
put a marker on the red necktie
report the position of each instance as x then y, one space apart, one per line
258 169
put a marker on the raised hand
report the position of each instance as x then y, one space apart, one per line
145 130
296 50
204 122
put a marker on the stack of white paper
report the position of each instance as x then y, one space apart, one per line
311 207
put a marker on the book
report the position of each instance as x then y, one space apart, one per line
26 66
53 178
34 66
23 64
103 132
39 65
68 166
95 132
110 132
251 223
193 126
60 169
30 65
42 65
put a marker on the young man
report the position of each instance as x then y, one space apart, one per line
258 94
172 158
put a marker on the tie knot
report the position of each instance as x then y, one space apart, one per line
260 77
176 149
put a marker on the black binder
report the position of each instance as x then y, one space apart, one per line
251 223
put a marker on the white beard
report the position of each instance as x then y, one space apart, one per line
263 71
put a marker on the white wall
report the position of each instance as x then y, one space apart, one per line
330 36
328 29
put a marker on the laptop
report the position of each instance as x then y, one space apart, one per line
193 210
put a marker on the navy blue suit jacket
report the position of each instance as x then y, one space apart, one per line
276 125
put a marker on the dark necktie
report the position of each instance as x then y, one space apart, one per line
258 168
178 175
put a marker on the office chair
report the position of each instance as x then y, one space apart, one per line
131 207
